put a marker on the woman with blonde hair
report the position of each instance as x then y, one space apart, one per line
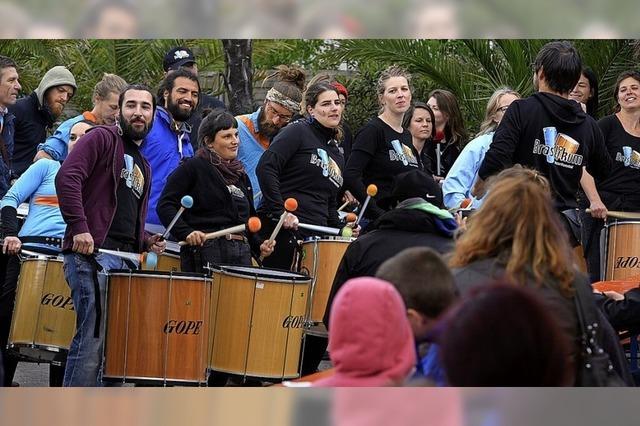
382 148
517 236
464 172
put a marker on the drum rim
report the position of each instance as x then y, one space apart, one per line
330 238
159 274
294 277
41 257
617 222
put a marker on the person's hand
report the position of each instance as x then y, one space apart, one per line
355 229
83 243
156 243
598 209
267 247
614 295
11 245
290 221
461 221
349 198
196 238
479 188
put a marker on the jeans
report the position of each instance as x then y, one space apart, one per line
86 351
219 251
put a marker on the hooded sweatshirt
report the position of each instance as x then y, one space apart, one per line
371 342
33 117
554 136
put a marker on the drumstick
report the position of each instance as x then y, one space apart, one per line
186 202
372 190
346 203
619 214
290 205
253 224
149 259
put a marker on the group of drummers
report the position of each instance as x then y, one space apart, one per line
255 218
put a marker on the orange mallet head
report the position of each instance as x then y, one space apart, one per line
372 190
465 203
351 217
254 224
291 205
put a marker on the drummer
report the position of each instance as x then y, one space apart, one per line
619 190
42 232
222 198
303 162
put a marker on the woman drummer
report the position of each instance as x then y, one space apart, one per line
43 223
304 162
382 148
222 198
619 191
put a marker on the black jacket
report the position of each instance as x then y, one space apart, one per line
31 124
213 205
520 139
391 233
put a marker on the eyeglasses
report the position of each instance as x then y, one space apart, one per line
285 118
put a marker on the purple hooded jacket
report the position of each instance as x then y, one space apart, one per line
87 184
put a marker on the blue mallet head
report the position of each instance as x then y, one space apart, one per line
186 201
151 260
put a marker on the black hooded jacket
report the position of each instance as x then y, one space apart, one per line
520 138
391 233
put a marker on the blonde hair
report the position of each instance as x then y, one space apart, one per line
390 72
518 224
489 125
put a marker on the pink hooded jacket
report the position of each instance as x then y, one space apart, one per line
371 342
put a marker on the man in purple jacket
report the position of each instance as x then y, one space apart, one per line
103 191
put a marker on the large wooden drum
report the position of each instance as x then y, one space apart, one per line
623 250
320 260
257 317
44 320
157 327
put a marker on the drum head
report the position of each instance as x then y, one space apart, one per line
249 271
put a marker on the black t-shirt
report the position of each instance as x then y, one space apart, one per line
302 162
379 154
619 190
124 227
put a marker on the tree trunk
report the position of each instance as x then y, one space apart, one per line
238 77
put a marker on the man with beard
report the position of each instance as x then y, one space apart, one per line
105 110
36 114
183 58
258 129
169 141
103 191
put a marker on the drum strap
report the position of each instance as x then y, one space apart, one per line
96 289
51 241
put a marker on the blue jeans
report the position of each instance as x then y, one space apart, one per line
85 354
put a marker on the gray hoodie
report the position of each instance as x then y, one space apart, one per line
56 76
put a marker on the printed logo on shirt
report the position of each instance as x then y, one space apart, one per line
133 177
629 157
560 149
329 167
235 191
402 153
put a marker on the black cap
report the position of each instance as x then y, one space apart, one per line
178 57
412 184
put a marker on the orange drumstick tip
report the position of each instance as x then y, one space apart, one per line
291 204
254 224
372 190
465 203
351 217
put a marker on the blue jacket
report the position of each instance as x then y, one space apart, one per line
37 184
464 173
164 150
250 151
57 145
8 132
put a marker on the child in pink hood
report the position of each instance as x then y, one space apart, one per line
371 342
